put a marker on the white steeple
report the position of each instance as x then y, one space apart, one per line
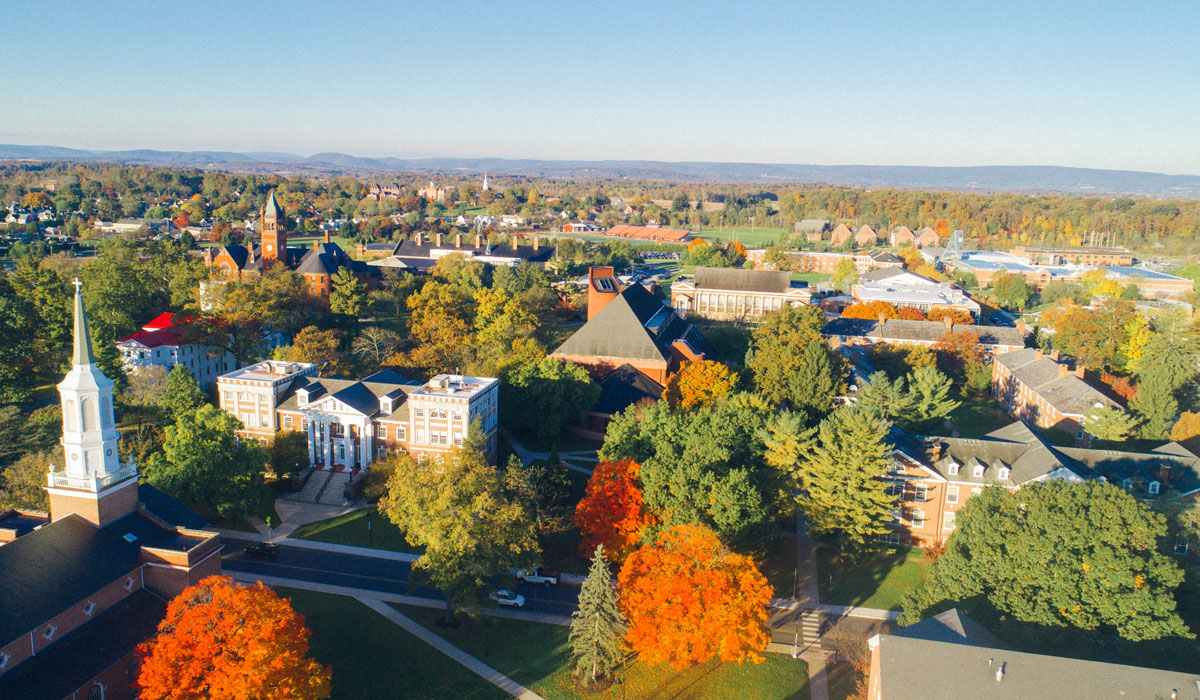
89 432
485 185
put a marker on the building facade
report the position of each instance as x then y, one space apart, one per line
1041 391
902 288
1073 255
727 294
160 344
253 395
993 340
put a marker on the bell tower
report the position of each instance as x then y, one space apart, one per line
274 235
93 483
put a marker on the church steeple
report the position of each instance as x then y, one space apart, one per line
93 483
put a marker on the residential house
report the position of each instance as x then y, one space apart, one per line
928 238
736 294
161 343
840 235
866 237
1041 391
951 657
901 236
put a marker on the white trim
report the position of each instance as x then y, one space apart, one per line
186 568
104 492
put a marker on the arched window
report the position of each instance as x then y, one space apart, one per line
71 418
89 414
96 693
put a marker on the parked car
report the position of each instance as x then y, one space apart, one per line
508 598
537 574
263 550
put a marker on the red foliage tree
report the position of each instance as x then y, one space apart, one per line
221 641
689 599
871 310
611 512
908 313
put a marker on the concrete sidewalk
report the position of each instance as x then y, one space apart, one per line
481 669
839 610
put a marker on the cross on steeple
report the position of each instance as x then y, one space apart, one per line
78 285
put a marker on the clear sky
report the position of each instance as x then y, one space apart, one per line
1091 84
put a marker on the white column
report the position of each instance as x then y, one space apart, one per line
364 444
312 443
328 443
347 446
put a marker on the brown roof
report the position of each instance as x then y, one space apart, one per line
740 280
648 232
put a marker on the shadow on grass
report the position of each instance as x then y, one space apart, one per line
361 528
877 580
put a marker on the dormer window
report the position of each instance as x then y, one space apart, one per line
89 608
1127 484
302 397
1154 487
978 471
1003 474
49 633
385 405
953 467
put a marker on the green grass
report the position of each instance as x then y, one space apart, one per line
538 657
810 277
351 529
876 582
565 442
778 564
755 238
373 658
979 415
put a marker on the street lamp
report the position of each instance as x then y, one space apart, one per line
370 534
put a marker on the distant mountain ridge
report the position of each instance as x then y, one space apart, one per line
985 178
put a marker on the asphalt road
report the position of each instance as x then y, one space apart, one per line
371 573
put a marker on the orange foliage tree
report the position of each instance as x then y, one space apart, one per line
736 248
871 310
1187 427
700 383
908 313
688 599
958 316
611 511
221 641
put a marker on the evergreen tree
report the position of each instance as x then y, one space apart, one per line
840 476
1154 404
349 294
929 393
883 397
793 365
785 441
597 625
182 394
1110 424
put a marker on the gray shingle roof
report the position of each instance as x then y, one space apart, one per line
951 627
361 395
895 329
272 208
812 225
912 667
411 249
1069 394
740 280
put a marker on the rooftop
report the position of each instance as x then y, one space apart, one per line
740 280
269 371
1068 393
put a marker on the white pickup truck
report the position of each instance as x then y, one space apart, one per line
546 577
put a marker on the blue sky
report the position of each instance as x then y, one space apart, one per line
1097 84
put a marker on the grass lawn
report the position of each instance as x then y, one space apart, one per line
979 415
842 680
810 277
373 658
565 442
878 582
755 238
351 529
537 656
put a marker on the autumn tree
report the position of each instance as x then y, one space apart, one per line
908 313
311 344
871 310
597 626
1054 564
960 357
840 474
544 487
844 274
375 344
958 317
225 641
701 383
689 599
1186 428
612 513
1012 291
471 529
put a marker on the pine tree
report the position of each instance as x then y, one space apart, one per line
1109 424
929 394
884 398
182 394
841 478
1155 405
785 442
597 625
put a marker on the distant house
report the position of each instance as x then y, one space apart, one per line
579 227
1040 390
952 652
812 229
865 237
901 236
840 235
736 294
928 238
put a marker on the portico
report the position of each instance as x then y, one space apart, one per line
338 440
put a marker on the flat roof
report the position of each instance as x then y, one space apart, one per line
454 385
1122 271
268 371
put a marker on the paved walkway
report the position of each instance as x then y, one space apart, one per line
807 590
567 456
481 669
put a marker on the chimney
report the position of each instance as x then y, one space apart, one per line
949 323
479 240
1022 328
1000 672
439 239
458 240
1037 354
602 288
1054 355
1063 371
1079 370
360 249
418 238
1164 474
937 450
208 259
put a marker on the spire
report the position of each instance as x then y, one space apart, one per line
82 354
272 208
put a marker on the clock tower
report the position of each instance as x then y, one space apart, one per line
93 483
274 236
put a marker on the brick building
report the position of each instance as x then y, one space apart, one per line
318 264
826 263
1072 255
902 288
902 236
631 326
1042 391
735 294
82 586
993 340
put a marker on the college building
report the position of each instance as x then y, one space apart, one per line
1072 255
904 289
160 343
83 585
1039 390
735 294
993 340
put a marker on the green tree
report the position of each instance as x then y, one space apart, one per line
181 394
843 494
23 482
1012 291
544 487
792 364
471 529
785 441
883 397
1109 424
597 625
1056 556
203 465
17 324
349 294
288 453
844 274
929 394
541 395
1154 405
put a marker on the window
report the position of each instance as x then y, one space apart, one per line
918 518
976 491
890 538
49 633
89 608
287 422
456 415
401 432
458 441
895 488
952 494
420 413
1181 548
953 467
1003 474
920 492
4 657
383 432
96 693
1154 487
948 521
1127 484
978 471
895 515
132 672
